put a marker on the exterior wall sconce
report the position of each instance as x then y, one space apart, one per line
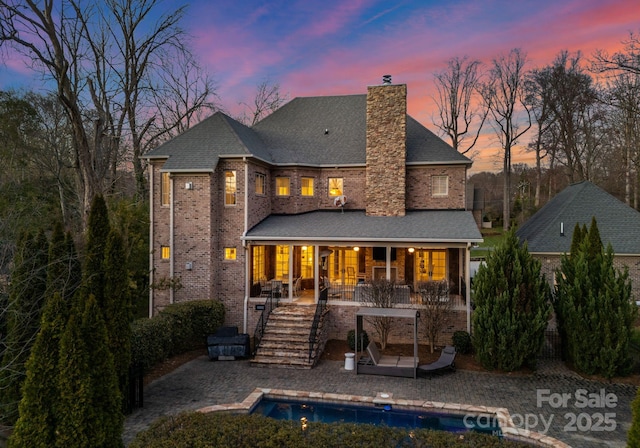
188 186
188 265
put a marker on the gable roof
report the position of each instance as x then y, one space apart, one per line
311 131
618 223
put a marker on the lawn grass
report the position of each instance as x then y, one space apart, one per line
491 237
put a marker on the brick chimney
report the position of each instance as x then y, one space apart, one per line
386 149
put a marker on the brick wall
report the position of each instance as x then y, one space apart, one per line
419 187
386 150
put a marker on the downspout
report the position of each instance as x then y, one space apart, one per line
151 242
171 232
467 281
247 287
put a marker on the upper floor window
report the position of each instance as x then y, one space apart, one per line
165 188
335 186
230 187
307 186
283 186
260 184
439 185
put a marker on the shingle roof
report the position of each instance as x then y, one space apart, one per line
316 131
416 226
618 223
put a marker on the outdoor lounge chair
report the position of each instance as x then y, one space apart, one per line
444 363
380 360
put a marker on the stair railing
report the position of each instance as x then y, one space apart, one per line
320 307
272 299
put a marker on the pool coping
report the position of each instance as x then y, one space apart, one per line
508 428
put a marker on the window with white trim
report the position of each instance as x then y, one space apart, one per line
335 186
261 184
283 186
306 186
230 187
165 188
439 186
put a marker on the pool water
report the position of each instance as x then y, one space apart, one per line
379 415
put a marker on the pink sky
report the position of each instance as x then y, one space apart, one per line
341 46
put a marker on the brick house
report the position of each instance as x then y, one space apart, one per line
549 231
331 191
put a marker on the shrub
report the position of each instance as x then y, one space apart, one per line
178 328
512 307
351 339
196 430
633 436
462 342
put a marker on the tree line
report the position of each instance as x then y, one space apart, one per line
581 117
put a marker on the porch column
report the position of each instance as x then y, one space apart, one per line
467 276
388 263
290 289
316 273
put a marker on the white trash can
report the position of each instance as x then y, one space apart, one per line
349 361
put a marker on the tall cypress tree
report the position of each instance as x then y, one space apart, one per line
512 307
594 308
40 404
88 384
117 308
98 229
26 297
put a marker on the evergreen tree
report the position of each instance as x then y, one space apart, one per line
117 308
63 269
594 308
37 424
26 296
98 229
88 384
578 236
633 436
512 307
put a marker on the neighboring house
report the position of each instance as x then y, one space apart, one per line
330 191
549 232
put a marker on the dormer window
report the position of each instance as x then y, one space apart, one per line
283 186
335 186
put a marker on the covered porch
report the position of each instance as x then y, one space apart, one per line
295 256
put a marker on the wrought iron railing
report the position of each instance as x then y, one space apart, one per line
272 299
320 307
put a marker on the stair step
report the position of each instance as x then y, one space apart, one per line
279 362
283 353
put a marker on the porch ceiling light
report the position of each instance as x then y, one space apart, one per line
356 248
411 250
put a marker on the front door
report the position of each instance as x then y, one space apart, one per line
430 265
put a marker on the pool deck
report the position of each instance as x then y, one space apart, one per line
550 402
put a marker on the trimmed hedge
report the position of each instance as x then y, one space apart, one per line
196 430
176 329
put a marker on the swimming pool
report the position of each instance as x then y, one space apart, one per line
297 410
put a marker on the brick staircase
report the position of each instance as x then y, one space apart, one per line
285 342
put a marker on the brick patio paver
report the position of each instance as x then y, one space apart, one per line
202 383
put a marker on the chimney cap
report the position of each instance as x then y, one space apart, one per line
386 79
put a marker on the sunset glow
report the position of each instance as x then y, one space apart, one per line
340 47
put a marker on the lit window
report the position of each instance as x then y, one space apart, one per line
229 253
282 186
260 184
165 252
335 186
282 261
440 185
307 186
229 188
165 188
258 263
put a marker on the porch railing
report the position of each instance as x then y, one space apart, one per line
320 307
272 299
